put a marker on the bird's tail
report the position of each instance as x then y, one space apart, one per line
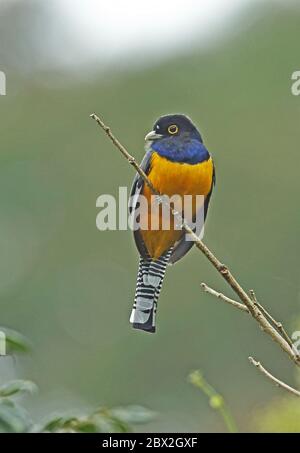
149 281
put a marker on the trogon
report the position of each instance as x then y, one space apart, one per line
178 164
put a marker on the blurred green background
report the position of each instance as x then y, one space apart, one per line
69 288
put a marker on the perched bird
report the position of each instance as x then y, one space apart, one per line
177 163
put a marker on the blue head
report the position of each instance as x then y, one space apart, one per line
176 138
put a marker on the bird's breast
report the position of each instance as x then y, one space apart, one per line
172 178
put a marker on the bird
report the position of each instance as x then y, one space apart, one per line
176 162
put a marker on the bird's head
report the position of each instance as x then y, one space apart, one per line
177 138
173 127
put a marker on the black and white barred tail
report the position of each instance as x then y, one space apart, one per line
149 281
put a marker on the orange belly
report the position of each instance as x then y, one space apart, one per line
172 178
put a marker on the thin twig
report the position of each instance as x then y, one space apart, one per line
226 299
125 153
276 381
267 315
221 268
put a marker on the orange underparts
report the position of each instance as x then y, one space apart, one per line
172 178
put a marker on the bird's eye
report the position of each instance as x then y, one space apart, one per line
173 129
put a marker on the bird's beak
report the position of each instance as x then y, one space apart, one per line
152 136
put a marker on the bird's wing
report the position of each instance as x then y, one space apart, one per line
136 189
183 246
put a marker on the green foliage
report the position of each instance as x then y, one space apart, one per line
15 342
135 415
103 420
15 419
216 400
18 386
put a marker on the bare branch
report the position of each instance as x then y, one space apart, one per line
226 299
221 268
131 160
276 381
267 315
243 307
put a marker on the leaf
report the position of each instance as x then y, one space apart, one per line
85 426
103 420
15 342
114 424
133 414
17 386
57 423
13 418
104 423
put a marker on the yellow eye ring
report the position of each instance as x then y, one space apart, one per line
173 129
